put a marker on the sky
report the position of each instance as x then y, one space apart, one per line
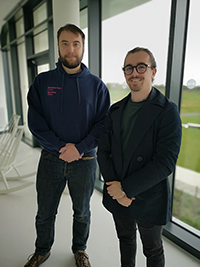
148 26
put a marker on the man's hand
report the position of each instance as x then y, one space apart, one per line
69 153
114 189
125 201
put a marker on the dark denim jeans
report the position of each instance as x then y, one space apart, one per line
151 237
53 174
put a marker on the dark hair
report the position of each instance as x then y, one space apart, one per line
139 49
71 28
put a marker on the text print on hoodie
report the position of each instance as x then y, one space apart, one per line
67 108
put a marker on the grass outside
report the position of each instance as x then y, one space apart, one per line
189 156
190 101
187 208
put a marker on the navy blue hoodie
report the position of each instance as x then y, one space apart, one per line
67 108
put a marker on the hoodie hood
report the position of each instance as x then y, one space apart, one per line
85 71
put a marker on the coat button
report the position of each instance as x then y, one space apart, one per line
139 158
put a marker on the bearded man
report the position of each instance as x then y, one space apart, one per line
67 108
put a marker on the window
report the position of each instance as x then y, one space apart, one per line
19 23
23 82
40 14
27 40
19 27
42 68
40 33
186 205
41 42
125 25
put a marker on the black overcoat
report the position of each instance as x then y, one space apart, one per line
150 158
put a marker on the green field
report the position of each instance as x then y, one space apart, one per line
186 208
190 101
189 156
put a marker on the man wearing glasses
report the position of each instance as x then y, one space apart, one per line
138 150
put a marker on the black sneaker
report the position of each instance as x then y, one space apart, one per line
36 260
82 259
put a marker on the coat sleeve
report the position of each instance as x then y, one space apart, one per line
36 122
163 158
104 152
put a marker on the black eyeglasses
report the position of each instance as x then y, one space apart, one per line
140 68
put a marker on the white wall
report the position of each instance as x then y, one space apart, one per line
64 12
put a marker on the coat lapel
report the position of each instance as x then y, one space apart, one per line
116 119
146 117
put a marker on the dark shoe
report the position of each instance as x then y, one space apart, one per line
82 259
36 260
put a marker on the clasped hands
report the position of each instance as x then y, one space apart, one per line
115 191
69 153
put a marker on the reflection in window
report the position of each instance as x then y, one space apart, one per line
125 25
186 206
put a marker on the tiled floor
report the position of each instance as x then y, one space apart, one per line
17 233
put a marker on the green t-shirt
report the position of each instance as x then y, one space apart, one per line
129 117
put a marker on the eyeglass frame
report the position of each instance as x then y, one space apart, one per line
135 67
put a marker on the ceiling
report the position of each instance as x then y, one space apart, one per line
6 6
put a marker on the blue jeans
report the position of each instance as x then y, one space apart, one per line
151 237
52 176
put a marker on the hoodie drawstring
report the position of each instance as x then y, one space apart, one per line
78 89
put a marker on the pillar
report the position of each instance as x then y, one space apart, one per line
64 11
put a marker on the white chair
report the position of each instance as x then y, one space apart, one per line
7 161
5 135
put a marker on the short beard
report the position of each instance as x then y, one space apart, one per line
71 65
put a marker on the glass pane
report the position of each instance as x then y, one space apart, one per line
40 29
41 42
2 117
84 28
23 85
186 206
7 38
125 25
42 68
19 27
40 14
11 82
3 102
